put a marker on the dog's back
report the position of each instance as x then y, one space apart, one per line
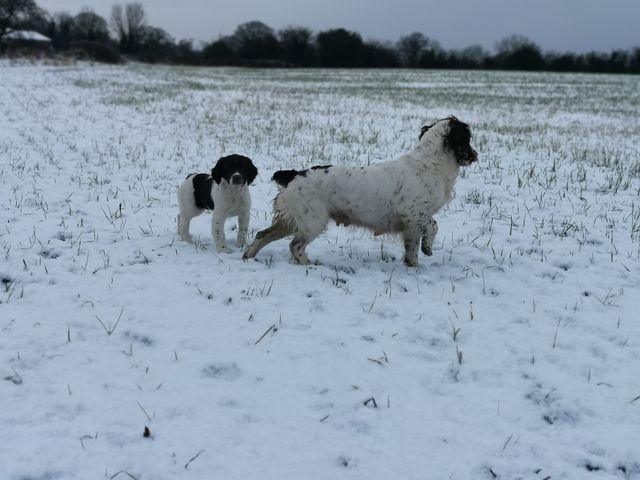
284 177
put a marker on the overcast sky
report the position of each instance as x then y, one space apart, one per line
577 25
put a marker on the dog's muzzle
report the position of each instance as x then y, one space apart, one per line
236 179
466 156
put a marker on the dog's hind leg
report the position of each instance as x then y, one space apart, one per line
310 224
184 221
263 238
429 233
298 246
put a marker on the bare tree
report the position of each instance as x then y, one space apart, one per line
136 21
13 12
220 52
91 26
129 24
416 50
512 43
518 52
117 22
255 41
410 48
295 45
156 45
473 56
62 29
340 48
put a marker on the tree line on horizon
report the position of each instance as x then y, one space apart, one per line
127 34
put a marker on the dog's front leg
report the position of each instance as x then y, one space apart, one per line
275 232
243 228
429 233
217 232
411 238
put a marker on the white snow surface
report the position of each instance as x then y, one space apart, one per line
27 35
512 353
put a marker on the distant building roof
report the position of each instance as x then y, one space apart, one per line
26 35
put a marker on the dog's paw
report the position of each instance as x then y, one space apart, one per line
300 260
410 262
249 252
427 250
223 249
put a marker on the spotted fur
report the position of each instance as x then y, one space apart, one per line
399 196
284 177
225 192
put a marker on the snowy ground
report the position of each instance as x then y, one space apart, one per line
512 353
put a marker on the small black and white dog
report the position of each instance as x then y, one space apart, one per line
225 192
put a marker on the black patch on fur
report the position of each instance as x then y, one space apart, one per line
284 177
202 184
227 166
458 140
322 167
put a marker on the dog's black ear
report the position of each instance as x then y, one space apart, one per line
458 135
457 140
252 173
216 173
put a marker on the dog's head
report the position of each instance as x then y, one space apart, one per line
456 137
236 170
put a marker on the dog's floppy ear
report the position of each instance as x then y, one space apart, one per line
457 140
458 134
216 173
252 173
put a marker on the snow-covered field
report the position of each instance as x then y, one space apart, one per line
512 353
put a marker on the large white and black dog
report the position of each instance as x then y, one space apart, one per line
399 196
225 191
